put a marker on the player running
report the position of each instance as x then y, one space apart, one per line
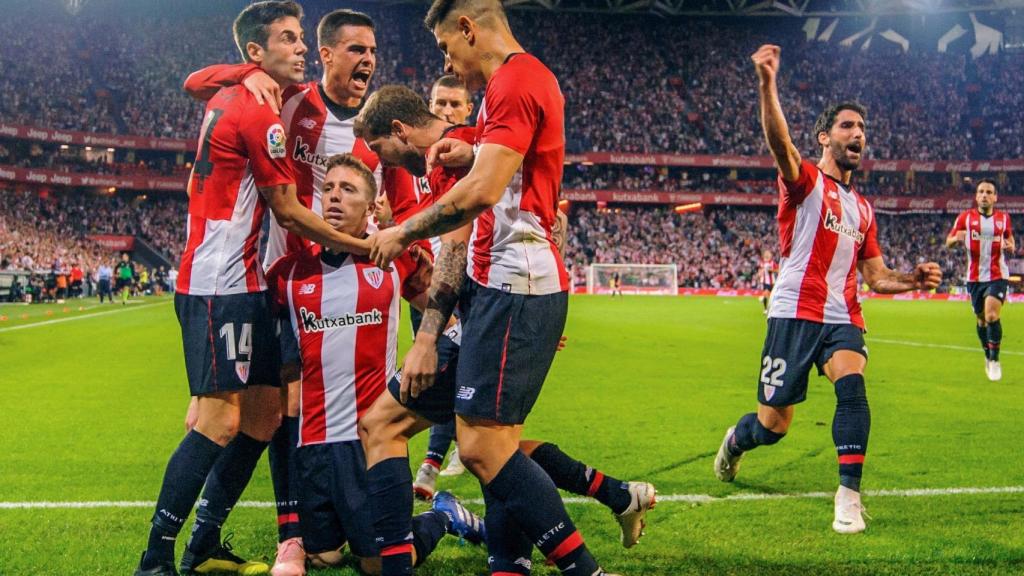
231 354
343 312
827 233
515 305
767 271
987 235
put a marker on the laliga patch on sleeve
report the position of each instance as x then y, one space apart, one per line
275 141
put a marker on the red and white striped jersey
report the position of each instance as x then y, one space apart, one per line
825 228
241 149
511 248
768 270
986 238
317 129
344 312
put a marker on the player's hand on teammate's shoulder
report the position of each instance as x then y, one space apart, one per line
265 89
386 245
766 62
450 153
927 276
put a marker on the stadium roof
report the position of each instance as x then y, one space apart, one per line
763 7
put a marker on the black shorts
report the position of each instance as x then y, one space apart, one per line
229 342
791 348
287 343
436 403
122 283
767 287
508 344
981 290
334 498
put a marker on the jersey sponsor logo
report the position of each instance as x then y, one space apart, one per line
835 224
978 235
304 154
275 141
242 370
313 323
374 276
307 123
307 289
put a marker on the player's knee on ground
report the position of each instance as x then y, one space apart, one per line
370 566
329 559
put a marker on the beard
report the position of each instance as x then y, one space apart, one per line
414 162
842 160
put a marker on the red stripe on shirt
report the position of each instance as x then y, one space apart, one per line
814 286
371 340
482 246
313 410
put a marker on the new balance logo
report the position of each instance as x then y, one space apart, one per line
833 223
307 123
307 289
465 393
312 323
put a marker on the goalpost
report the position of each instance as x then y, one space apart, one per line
657 279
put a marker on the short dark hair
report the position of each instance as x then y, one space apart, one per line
327 29
449 81
349 160
253 23
828 117
390 103
441 10
987 181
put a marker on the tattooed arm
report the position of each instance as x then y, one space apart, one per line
492 171
560 230
445 285
883 280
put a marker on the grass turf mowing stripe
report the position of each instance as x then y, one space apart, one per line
942 346
82 317
689 498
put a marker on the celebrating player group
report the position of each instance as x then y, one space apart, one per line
375 197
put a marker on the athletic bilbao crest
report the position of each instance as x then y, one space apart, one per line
242 370
374 276
769 391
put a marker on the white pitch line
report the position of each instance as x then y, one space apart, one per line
943 346
81 317
687 498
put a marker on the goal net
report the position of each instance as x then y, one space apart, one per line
662 279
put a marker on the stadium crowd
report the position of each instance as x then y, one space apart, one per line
696 98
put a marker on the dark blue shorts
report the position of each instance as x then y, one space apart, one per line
334 498
508 344
436 403
998 289
791 348
230 342
287 343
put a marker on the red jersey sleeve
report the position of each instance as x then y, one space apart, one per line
407 267
264 140
960 225
277 281
793 193
1007 227
203 84
512 113
869 248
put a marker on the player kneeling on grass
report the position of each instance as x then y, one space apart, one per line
344 314
827 233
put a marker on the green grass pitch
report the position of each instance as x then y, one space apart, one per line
94 405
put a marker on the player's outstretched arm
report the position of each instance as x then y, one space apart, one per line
492 171
203 84
291 215
883 280
776 131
